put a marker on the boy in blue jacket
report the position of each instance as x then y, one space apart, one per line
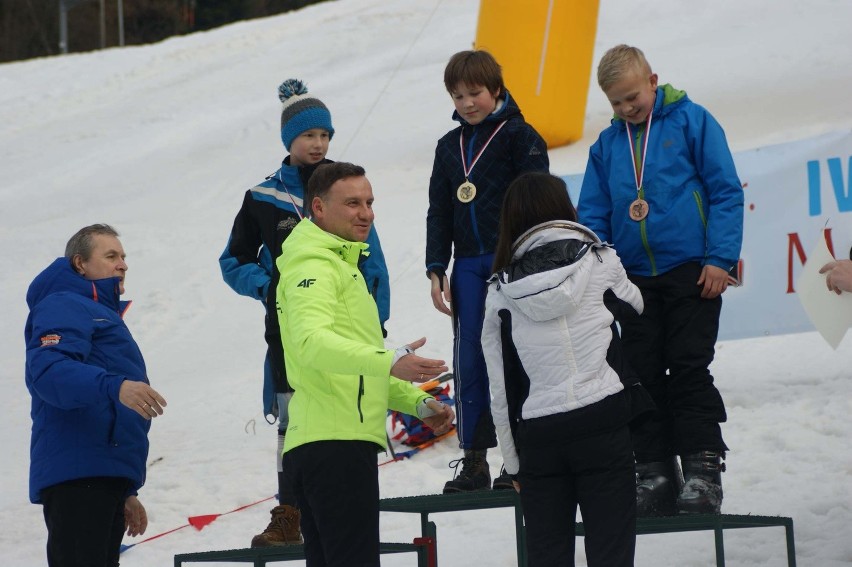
661 186
474 165
270 211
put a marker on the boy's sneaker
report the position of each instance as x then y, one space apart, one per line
504 481
283 528
473 476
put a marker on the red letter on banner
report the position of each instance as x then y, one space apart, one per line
794 242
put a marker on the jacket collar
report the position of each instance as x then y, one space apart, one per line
294 176
665 101
349 252
59 276
506 111
551 231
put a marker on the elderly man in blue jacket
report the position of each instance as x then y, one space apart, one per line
91 403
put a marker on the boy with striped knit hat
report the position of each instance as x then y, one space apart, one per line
269 212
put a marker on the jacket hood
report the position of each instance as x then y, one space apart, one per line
667 96
295 177
507 110
549 269
59 276
550 231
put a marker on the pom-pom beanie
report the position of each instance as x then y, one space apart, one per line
301 111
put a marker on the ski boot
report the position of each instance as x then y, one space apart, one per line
702 491
657 487
504 481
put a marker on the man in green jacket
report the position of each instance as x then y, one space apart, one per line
344 378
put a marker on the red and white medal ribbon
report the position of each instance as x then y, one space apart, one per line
638 209
638 174
467 169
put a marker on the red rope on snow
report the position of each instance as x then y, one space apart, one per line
198 522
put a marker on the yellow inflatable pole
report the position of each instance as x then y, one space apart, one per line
545 48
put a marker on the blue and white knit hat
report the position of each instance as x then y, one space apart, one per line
301 111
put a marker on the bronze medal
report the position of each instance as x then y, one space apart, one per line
638 209
466 192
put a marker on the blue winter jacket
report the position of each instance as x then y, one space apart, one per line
690 183
79 351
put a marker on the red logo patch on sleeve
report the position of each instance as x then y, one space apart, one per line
50 340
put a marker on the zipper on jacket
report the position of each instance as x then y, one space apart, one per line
113 427
360 395
643 231
643 226
473 224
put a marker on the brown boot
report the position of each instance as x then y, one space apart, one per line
474 474
283 529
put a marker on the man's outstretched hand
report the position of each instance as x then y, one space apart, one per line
413 368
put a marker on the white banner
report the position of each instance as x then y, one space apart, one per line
792 192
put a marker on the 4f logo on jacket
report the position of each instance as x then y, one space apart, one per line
307 282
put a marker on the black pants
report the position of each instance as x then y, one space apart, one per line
671 346
337 490
85 521
272 336
558 473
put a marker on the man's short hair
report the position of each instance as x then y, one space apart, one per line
81 243
327 175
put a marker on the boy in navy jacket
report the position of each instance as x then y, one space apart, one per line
474 165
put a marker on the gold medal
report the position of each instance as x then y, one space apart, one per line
466 192
638 209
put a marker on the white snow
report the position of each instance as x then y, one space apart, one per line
162 140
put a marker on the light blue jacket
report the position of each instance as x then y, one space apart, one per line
690 183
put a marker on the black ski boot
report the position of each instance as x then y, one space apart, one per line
473 476
504 481
657 487
702 491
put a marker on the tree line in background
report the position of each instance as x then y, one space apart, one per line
30 28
